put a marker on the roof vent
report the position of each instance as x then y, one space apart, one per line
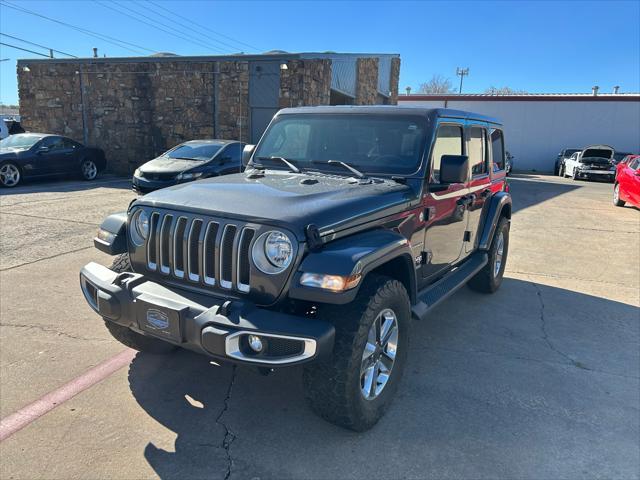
594 90
616 90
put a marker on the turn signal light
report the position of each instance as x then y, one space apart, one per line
333 283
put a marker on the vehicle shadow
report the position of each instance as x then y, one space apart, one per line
530 190
61 185
494 387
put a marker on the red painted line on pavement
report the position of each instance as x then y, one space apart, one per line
23 417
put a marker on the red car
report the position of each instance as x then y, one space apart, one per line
627 183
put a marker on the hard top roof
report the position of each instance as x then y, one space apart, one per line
391 110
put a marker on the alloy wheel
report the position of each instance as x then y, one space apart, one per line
379 354
497 263
9 175
89 169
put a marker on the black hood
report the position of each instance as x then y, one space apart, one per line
287 199
9 153
169 165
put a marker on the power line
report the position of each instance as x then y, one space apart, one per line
113 5
37 45
190 27
192 24
23 49
100 36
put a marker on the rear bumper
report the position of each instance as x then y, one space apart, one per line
206 324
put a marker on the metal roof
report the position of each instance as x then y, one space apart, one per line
522 97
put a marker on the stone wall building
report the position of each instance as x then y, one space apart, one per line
136 108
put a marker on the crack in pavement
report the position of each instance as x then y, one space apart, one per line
523 359
44 258
52 330
229 436
545 334
92 224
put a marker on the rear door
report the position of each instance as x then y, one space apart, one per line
479 179
444 204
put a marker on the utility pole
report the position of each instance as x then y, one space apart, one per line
461 72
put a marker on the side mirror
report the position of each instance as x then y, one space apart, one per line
454 169
224 160
42 149
246 154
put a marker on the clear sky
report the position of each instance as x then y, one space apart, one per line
542 46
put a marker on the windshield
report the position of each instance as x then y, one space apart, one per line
20 141
373 144
194 151
570 151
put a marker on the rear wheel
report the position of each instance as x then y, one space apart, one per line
489 279
355 386
616 196
10 175
142 343
89 169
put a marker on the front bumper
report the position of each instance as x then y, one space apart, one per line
206 324
144 185
598 174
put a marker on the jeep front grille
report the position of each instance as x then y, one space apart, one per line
203 252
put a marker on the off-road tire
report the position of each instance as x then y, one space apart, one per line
142 343
332 387
616 196
486 281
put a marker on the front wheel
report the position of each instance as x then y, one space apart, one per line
10 175
489 279
616 196
89 169
356 385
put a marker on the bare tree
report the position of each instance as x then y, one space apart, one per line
437 84
503 91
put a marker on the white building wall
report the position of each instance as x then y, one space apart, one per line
535 131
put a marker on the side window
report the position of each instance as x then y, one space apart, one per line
233 151
477 151
54 143
497 149
634 164
448 142
69 144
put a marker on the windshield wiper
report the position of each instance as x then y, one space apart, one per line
353 170
288 163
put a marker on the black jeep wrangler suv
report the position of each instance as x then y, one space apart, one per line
348 223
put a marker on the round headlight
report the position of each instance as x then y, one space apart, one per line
278 249
272 252
140 224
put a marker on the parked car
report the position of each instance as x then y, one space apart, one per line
627 185
187 162
348 222
565 153
509 163
619 156
30 155
594 162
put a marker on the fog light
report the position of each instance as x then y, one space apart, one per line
255 343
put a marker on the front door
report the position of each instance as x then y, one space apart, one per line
444 205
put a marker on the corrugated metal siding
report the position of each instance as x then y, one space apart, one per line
343 76
384 75
535 131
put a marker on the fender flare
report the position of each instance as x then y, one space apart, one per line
356 254
500 202
116 225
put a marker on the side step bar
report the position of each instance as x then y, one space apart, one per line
447 285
